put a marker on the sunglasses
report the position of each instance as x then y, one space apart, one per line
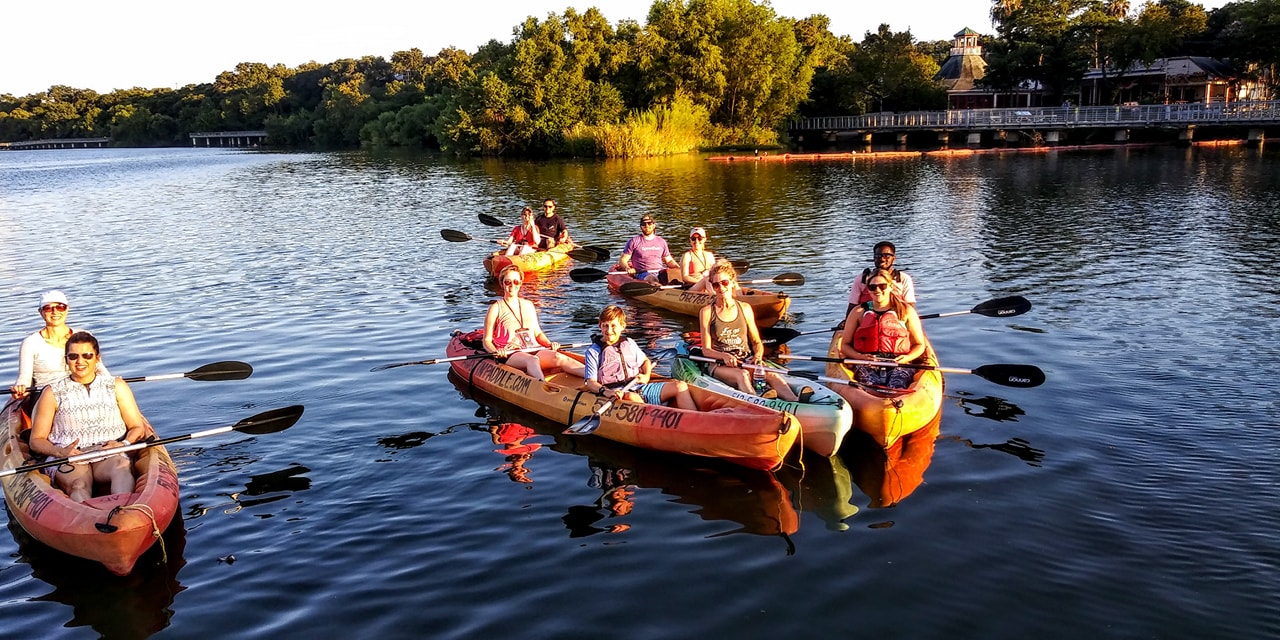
721 284
647 223
884 255
72 357
57 306
512 281
878 286
697 238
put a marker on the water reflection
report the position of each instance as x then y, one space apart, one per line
753 500
989 407
510 438
1016 447
272 487
823 487
133 606
888 476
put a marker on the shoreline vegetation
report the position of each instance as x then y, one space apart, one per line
699 75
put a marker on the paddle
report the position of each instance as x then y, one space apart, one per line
474 356
995 308
215 371
263 423
590 423
587 254
458 236
1010 375
647 288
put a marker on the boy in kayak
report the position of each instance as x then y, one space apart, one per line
612 360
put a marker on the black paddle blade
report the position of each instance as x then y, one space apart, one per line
271 421
586 274
384 367
454 236
1003 307
740 266
584 255
801 373
602 254
789 278
217 371
1022 376
632 289
772 336
491 221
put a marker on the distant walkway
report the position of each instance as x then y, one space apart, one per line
63 143
229 138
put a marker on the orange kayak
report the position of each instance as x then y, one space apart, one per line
723 427
889 414
135 520
536 261
767 305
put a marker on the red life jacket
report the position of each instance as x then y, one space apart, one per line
882 332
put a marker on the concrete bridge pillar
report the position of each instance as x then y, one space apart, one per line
866 139
944 139
974 139
1053 138
1122 135
901 137
1185 136
1256 136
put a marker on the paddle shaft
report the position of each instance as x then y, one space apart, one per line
475 356
291 416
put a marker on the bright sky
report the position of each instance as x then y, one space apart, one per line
154 44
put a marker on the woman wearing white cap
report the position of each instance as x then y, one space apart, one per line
41 356
697 261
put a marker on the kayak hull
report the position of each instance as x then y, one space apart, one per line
536 261
887 415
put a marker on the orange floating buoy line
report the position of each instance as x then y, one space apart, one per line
942 153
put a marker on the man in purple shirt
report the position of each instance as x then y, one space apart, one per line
646 255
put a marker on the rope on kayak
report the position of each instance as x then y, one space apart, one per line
155 528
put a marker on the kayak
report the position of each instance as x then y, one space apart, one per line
889 414
723 427
824 420
536 261
767 305
887 476
134 521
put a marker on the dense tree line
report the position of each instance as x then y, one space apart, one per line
697 73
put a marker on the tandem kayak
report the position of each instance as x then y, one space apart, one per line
723 427
768 306
825 418
114 529
889 414
536 261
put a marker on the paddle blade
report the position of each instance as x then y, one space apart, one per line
601 253
584 426
584 255
1022 376
491 221
271 421
217 371
801 373
632 289
1003 307
773 336
789 278
587 274
454 236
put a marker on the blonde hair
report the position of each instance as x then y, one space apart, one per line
511 267
722 266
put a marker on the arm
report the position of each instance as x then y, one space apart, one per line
490 321
135 424
687 268
753 333
591 369
42 424
908 290
625 260
918 343
26 370
666 256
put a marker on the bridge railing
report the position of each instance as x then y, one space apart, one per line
1041 117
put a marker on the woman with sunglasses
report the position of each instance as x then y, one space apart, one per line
512 324
82 412
886 328
40 358
524 239
697 261
729 335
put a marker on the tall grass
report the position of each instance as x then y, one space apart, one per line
675 127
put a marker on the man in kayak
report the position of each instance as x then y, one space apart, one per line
646 255
551 226
882 256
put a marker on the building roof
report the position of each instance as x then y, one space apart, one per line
1180 66
966 32
959 73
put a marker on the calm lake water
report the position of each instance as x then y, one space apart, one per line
1133 495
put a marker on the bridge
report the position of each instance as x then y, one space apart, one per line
229 138
57 143
1051 125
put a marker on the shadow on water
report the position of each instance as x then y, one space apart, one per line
823 487
989 407
717 491
132 606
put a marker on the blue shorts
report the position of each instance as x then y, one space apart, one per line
651 392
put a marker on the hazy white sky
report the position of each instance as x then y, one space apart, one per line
153 44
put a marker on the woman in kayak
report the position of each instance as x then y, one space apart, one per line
886 328
729 335
512 324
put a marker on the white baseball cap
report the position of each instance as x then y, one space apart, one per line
53 297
